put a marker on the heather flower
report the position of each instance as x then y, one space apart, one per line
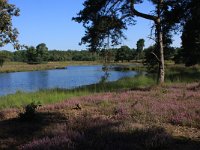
59 142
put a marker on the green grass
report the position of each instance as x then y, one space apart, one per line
180 73
20 99
20 66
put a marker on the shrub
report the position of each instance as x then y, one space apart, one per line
30 111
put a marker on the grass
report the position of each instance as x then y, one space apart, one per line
162 118
56 95
19 66
180 73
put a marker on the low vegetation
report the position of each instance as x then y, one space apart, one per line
164 117
20 66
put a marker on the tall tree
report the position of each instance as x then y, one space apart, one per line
108 18
191 35
31 55
42 53
8 34
123 53
140 47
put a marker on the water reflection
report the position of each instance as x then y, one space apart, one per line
73 76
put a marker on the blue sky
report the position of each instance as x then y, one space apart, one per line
50 22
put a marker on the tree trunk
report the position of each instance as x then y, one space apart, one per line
161 72
161 75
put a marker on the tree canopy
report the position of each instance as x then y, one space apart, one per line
191 35
8 34
37 55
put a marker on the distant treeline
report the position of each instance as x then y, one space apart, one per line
41 54
53 55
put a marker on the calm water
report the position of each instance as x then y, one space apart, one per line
73 76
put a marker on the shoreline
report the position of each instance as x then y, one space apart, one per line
10 67
20 99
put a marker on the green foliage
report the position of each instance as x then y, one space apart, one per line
123 53
5 56
180 73
103 22
30 111
42 53
179 56
31 55
191 35
69 55
8 34
140 48
108 55
140 45
37 55
20 56
8 56
151 60
83 56
56 55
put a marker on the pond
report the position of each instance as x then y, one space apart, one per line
71 77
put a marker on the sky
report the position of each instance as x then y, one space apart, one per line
50 22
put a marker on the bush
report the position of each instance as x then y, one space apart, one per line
30 111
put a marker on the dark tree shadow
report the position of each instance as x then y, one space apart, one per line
106 136
14 132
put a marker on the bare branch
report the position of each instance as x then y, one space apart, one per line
156 56
151 38
139 14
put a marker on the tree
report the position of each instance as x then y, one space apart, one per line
31 55
5 56
42 53
108 18
20 56
140 47
123 53
8 34
151 62
37 55
191 35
